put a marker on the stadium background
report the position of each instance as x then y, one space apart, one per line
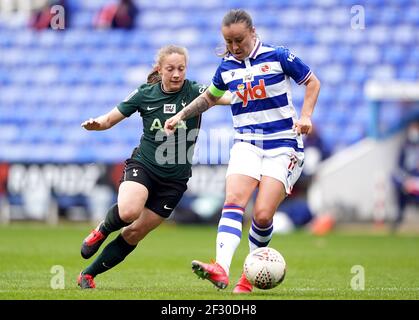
51 80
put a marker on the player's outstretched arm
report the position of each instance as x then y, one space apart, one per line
105 121
201 104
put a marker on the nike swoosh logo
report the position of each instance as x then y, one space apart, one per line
167 208
149 109
103 264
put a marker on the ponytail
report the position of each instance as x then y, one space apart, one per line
153 77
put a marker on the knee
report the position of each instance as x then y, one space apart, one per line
235 197
128 213
263 216
133 234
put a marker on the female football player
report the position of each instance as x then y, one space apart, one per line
154 178
268 152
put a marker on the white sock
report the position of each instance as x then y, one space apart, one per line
259 236
229 234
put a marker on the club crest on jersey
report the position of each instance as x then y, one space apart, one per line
251 93
169 108
265 68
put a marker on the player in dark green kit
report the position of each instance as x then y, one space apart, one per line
156 175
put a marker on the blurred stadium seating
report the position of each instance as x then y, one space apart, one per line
53 80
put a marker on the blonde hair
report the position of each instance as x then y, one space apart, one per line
154 76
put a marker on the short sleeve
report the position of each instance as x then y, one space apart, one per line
197 89
293 66
218 81
131 103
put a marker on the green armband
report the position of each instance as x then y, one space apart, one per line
215 91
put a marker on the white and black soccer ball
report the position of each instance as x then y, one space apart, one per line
265 268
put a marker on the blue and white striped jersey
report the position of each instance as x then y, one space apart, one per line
263 113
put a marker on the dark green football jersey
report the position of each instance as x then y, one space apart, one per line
168 157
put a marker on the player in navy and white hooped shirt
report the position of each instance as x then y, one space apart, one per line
268 153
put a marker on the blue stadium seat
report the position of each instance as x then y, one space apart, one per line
389 15
47 40
7 39
82 20
361 114
334 73
383 72
379 34
161 4
352 133
368 55
404 34
409 72
94 39
342 54
25 39
137 38
395 56
357 73
9 133
5 78
72 40
12 152
414 55
411 16
329 133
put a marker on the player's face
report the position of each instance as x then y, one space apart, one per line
172 71
239 39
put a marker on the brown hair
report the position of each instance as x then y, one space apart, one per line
236 16
154 76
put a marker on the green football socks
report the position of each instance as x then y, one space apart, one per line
114 253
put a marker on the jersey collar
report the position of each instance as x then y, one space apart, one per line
255 51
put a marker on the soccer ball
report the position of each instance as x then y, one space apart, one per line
265 268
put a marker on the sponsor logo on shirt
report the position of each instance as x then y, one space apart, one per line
251 93
169 108
291 57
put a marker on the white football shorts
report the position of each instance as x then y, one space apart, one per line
284 164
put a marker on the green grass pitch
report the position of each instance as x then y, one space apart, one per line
159 269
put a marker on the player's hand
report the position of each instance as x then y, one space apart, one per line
303 125
170 125
91 124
